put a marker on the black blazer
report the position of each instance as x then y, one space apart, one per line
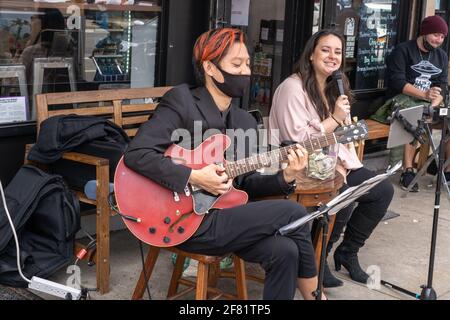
179 109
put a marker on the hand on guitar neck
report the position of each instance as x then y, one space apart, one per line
214 180
297 161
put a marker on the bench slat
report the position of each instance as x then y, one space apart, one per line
95 111
131 132
105 95
377 130
135 120
139 107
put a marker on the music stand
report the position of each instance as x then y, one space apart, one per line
399 136
340 202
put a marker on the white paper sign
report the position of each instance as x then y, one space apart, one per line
13 109
280 35
240 12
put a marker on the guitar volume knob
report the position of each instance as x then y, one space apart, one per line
166 240
181 230
152 230
167 220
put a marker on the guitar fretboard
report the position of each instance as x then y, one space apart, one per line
264 160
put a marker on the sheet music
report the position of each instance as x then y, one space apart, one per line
343 200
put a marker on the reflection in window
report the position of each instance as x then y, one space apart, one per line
370 30
40 52
317 16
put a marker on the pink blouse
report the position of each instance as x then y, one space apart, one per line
294 116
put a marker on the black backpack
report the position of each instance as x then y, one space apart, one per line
46 215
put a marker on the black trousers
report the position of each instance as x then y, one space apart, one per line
249 232
365 217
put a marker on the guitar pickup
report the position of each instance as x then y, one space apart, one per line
176 197
187 192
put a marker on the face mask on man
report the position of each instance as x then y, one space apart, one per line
427 45
234 85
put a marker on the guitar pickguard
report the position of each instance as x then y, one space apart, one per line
203 201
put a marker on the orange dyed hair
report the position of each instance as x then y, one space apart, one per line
213 45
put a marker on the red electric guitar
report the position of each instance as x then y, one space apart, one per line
163 218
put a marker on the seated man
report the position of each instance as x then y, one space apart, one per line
222 63
419 69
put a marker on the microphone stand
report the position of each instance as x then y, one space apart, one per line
428 292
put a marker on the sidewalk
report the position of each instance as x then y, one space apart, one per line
399 247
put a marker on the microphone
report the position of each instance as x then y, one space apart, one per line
337 76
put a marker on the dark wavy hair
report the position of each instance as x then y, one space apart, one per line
305 70
212 46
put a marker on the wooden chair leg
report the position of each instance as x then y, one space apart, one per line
176 275
424 152
213 274
150 262
241 284
102 227
201 292
360 149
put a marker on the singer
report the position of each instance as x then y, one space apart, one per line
313 101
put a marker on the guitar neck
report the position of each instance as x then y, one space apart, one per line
263 160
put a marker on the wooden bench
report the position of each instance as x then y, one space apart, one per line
119 107
377 130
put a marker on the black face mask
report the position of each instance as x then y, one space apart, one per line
427 45
234 85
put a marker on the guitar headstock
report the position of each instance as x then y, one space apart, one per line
353 132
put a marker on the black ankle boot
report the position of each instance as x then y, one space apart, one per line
349 259
329 280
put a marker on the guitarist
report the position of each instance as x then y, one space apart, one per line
222 64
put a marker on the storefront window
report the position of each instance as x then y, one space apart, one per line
443 10
265 36
317 15
370 30
48 46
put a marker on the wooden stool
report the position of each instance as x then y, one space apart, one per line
208 272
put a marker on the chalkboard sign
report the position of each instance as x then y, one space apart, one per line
376 38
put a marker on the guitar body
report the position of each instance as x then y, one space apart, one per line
166 218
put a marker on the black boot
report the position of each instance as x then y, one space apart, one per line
329 280
348 258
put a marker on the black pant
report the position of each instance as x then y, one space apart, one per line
249 232
370 210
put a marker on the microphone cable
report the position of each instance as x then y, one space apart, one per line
19 268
